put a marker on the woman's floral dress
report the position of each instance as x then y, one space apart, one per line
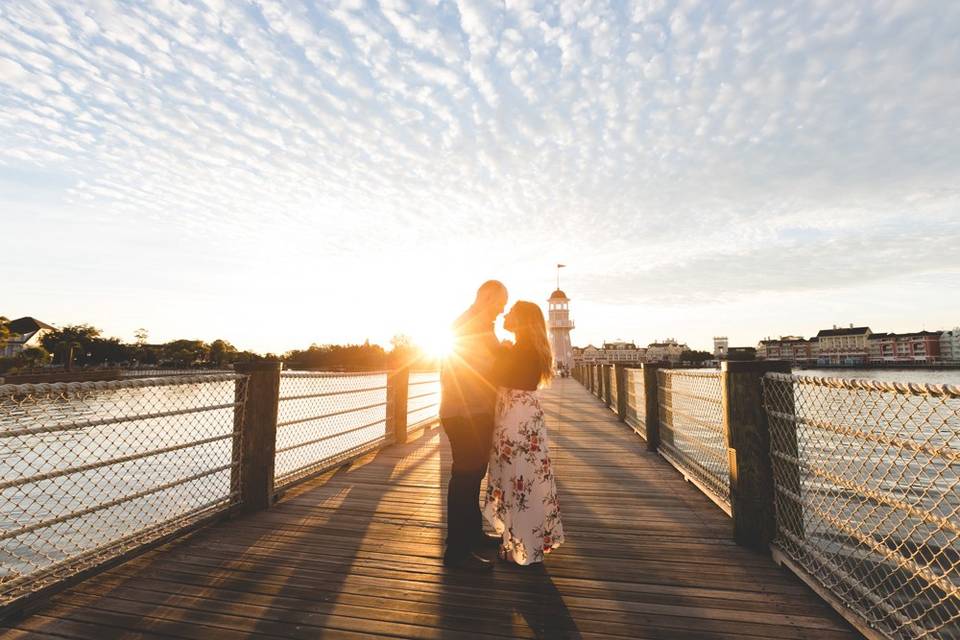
521 500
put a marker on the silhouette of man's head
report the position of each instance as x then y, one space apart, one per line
491 299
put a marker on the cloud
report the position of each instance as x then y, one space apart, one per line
578 128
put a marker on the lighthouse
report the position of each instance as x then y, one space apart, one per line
560 326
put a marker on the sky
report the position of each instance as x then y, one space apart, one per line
285 173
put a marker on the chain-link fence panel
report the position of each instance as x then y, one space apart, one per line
868 497
636 401
325 418
691 429
423 398
91 471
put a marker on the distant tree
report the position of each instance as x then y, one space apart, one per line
110 351
4 329
406 353
221 352
77 338
350 357
184 353
141 336
695 357
245 356
34 357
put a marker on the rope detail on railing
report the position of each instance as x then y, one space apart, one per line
867 496
64 388
914 388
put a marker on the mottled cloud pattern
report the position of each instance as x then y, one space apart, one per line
671 151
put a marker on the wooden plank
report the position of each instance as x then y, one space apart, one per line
357 553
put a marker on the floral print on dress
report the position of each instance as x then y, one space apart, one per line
521 499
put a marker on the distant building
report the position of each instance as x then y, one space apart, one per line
587 355
793 349
920 346
615 352
720 346
560 325
623 352
668 350
25 333
950 345
843 346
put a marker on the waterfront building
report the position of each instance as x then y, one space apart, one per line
843 346
25 333
950 345
619 352
919 346
720 346
560 325
794 349
614 352
587 355
668 350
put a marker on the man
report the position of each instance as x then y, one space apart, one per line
466 412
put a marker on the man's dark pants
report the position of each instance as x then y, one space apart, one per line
471 439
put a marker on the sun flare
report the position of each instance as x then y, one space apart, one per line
436 344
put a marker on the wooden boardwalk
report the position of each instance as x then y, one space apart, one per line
357 555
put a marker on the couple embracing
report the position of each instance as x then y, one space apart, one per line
491 414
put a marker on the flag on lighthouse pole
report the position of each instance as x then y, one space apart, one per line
559 266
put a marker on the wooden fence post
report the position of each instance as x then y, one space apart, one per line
606 384
253 477
620 379
747 433
398 385
651 400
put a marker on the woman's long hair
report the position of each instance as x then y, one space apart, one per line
531 331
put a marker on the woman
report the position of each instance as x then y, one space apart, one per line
521 500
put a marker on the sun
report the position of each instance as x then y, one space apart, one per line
437 344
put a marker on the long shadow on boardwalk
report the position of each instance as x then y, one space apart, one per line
358 556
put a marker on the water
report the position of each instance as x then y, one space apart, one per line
926 376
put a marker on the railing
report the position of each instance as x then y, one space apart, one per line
324 418
854 485
90 471
691 430
636 410
423 398
867 478
93 473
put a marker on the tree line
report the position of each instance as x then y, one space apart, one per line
84 345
